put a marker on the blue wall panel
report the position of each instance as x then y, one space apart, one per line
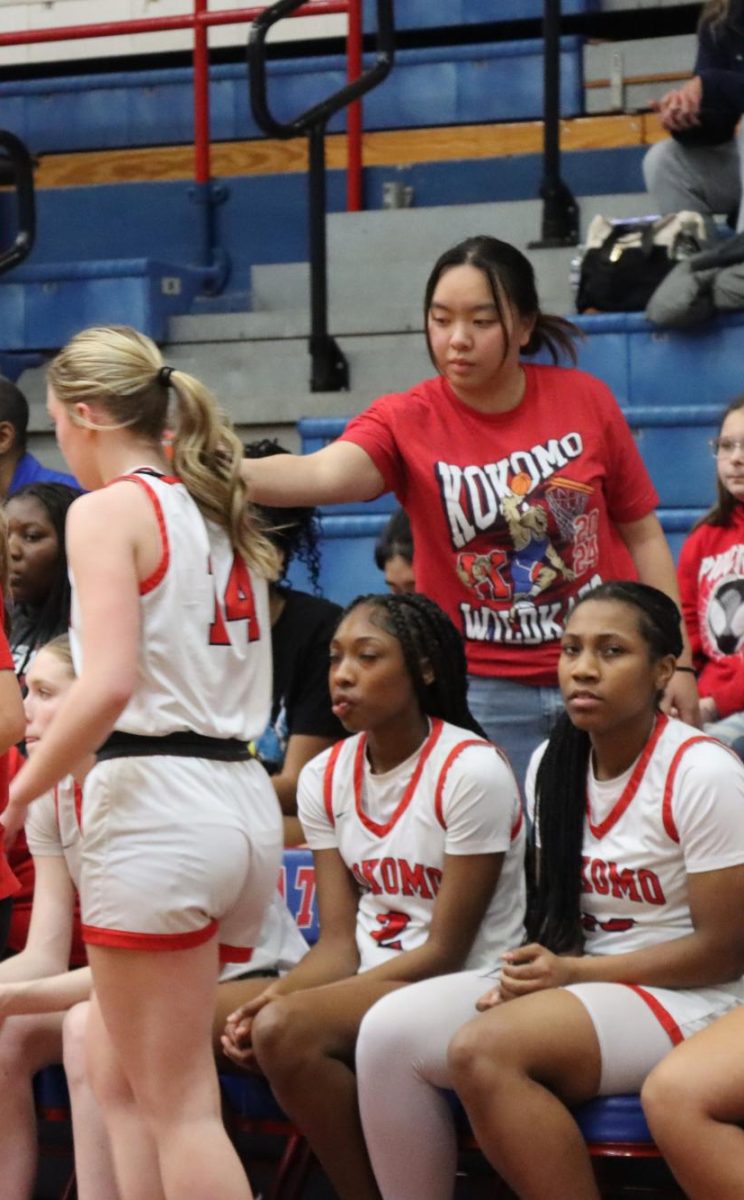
435 14
488 82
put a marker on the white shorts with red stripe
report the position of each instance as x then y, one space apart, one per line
176 850
637 1026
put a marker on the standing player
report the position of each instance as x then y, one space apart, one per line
182 831
417 834
635 936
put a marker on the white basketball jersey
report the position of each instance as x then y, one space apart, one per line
677 811
456 795
53 825
205 658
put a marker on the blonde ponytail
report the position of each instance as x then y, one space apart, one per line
123 371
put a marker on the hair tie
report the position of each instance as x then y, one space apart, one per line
164 376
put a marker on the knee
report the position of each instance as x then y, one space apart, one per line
655 163
74 1029
17 1039
280 1037
664 1094
471 1057
384 1040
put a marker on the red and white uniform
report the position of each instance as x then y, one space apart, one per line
711 584
677 811
53 830
176 848
513 514
456 795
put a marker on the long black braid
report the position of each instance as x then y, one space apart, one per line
553 914
427 636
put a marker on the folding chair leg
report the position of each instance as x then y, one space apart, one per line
293 1169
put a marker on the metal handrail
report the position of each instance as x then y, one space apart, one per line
23 180
206 196
560 216
330 369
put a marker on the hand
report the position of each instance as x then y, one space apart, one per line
489 999
708 710
681 698
680 108
532 968
11 824
236 1039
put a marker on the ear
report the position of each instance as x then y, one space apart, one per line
7 436
83 415
527 328
427 671
665 669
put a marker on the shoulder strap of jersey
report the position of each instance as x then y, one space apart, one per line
666 809
328 781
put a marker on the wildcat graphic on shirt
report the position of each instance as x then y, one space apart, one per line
539 528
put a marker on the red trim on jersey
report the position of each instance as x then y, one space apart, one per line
77 793
518 823
666 808
78 801
453 754
239 954
663 1016
632 785
406 798
328 781
152 581
95 935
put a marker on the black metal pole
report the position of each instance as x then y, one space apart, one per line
560 217
330 370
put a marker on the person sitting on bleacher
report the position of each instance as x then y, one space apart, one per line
18 467
711 584
394 553
416 829
302 624
700 166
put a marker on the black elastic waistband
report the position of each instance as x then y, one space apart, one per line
176 745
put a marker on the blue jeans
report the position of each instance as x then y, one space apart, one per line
516 716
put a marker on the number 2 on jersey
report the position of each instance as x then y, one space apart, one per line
238 604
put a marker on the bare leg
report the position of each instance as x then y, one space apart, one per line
157 1008
26 1044
305 1044
694 1101
94 1167
513 1068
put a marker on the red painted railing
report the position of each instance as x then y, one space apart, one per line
200 20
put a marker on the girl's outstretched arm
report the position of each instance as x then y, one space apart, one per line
336 474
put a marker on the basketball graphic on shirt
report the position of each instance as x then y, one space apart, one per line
521 483
726 616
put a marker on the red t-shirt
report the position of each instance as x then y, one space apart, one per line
513 514
711 585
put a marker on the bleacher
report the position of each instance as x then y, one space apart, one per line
455 129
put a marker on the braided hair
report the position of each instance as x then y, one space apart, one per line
294 531
553 914
427 638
